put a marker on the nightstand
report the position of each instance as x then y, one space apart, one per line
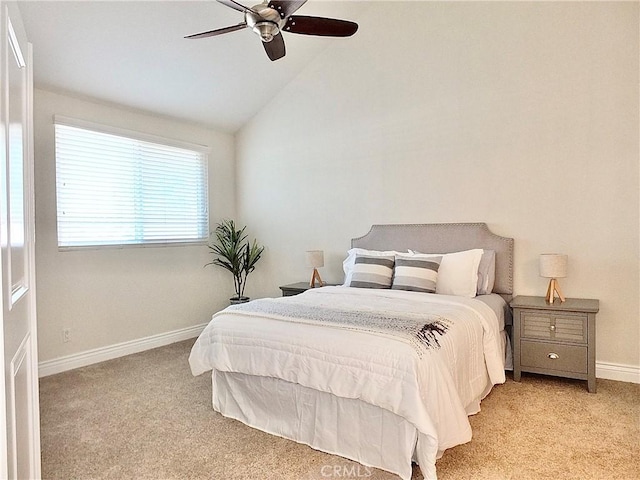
296 288
555 339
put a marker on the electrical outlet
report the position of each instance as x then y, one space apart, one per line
66 334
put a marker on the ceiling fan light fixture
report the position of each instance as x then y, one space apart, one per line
266 30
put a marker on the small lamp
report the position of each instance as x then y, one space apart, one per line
553 266
315 259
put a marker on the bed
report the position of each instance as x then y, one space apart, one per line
383 376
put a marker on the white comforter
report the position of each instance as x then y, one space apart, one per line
434 393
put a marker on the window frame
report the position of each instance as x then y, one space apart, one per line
136 136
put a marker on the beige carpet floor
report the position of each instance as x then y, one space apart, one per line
145 417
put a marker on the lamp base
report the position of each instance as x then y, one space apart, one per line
315 276
554 287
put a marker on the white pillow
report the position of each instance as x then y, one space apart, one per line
458 272
348 263
486 272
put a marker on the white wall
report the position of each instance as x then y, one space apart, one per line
108 296
521 115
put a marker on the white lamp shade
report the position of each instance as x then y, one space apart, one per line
553 265
315 258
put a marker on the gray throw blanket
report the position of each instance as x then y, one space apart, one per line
421 331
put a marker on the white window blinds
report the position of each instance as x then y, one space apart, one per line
119 190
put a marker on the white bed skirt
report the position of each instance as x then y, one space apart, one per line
350 428
346 427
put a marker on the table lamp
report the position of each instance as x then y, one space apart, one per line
315 259
553 266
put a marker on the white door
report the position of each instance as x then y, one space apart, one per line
20 446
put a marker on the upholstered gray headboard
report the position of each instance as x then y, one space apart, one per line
445 238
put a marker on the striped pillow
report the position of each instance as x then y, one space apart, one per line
416 274
372 271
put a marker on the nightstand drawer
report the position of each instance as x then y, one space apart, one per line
553 356
562 327
290 293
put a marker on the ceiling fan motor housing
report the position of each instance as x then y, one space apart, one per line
265 21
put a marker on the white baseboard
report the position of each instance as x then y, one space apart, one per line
89 357
616 371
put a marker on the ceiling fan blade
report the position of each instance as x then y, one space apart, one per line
233 4
323 27
219 31
286 7
275 48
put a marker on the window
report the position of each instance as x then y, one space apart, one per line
123 188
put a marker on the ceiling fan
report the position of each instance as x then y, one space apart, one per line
270 19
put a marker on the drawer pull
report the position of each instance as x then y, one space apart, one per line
553 356
552 328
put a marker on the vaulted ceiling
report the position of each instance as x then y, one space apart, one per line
133 53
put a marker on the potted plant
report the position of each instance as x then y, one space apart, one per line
234 252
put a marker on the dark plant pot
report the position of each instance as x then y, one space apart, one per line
238 300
